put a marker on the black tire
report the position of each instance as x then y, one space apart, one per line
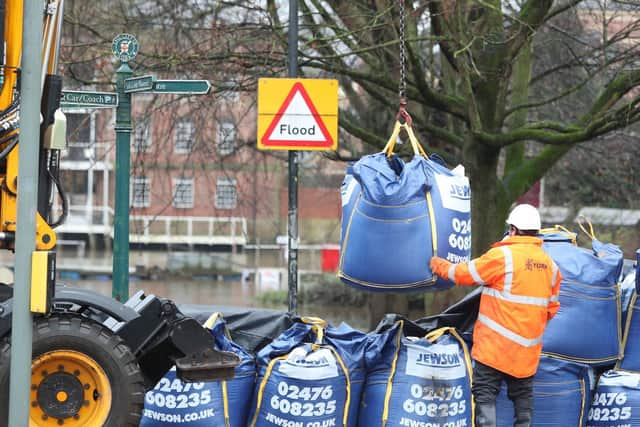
98 344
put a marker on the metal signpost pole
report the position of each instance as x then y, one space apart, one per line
124 47
22 322
293 168
121 208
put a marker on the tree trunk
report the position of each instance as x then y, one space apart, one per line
489 202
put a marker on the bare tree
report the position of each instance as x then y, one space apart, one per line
474 93
471 85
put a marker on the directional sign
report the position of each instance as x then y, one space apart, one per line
138 84
193 87
297 114
74 98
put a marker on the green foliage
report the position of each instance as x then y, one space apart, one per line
273 299
327 289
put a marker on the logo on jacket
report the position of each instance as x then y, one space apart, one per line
531 265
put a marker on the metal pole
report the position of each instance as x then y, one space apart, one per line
293 168
28 151
120 290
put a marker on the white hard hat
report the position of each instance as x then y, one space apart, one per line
524 217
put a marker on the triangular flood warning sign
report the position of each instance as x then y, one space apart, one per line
297 123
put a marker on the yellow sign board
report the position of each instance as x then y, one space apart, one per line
297 114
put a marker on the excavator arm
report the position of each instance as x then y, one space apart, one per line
9 122
93 357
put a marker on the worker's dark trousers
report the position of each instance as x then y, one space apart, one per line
486 386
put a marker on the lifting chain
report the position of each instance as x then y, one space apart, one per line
402 89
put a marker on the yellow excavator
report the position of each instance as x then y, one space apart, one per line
93 357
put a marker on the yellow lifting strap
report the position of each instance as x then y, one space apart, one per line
582 220
415 145
559 228
318 326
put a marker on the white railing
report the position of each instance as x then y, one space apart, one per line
149 229
188 230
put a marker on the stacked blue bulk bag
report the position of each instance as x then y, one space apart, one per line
627 288
561 395
421 381
312 375
630 360
413 210
220 403
616 401
587 327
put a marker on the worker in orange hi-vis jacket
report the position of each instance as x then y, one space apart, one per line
520 291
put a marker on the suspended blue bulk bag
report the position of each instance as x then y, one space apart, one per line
561 395
219 403
451 195
349 192
616 402
310 376
413 210
422 381
587 327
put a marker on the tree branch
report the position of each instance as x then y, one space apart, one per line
345 121
562 8
532 16
440 28
587 126
446 103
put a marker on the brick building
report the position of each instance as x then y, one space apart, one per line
196 176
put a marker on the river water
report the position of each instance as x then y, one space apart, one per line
232 293
207 278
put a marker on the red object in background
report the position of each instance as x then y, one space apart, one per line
532 196
329 258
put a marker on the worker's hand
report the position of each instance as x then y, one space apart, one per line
440 266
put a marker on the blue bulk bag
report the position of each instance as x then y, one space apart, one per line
312 375
219 403
412 210
631 344
349 192
631 355
561 395
419 381
587 327
627 288
616 401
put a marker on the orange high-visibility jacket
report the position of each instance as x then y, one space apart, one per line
521 284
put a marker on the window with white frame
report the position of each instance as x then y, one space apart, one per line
226 193
185 136
141 136
183 193
226 138
140 192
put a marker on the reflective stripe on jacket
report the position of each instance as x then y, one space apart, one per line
521 287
